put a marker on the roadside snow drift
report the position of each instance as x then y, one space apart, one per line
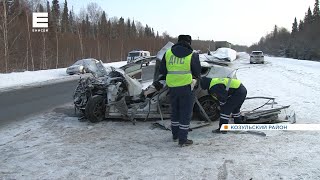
31 78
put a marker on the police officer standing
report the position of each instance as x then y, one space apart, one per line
231 94
180 65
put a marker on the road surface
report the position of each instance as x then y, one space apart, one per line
22 103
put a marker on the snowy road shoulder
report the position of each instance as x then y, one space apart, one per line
58 146
18 80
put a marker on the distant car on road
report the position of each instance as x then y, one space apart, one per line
84 66
256 57
137 54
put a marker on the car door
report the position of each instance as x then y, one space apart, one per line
133 69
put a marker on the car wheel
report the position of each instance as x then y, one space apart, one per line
95 109
210 106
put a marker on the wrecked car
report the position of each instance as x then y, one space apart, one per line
83 66
112 93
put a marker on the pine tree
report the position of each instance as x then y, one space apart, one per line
128 29
301 26
275 31
48 9
294 26
308 17
103 24
109 29
65 18
121 27
41 8
146 30
133 29
87 26
71 21
316 11
152 33
49 15
55 14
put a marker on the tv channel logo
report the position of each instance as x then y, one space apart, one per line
40 22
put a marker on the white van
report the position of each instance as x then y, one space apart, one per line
133 55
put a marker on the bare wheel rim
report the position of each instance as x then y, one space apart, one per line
210 107
98 111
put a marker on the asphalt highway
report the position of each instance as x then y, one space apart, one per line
19 104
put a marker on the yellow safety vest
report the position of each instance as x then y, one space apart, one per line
179 70
228 82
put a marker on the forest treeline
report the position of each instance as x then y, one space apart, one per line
71 36
302 42
91 33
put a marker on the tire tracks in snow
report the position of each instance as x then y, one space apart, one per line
298 76
223 171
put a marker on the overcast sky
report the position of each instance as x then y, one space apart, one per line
237 21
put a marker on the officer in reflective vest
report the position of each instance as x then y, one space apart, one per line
179 65
230 93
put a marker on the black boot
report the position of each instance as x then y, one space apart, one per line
218 131
174 138
188 142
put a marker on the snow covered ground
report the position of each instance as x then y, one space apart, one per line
30 78
56 145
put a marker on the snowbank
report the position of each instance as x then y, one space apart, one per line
11 80
29 78
225 54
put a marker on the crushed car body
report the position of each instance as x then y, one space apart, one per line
112 93
83 66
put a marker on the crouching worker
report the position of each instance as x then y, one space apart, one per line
230 93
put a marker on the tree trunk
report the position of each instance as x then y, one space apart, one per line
109 59
29 36
27 56
98 49
44 54
80 40
57 60
121 51
5 36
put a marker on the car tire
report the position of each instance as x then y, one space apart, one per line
95 109
211 107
